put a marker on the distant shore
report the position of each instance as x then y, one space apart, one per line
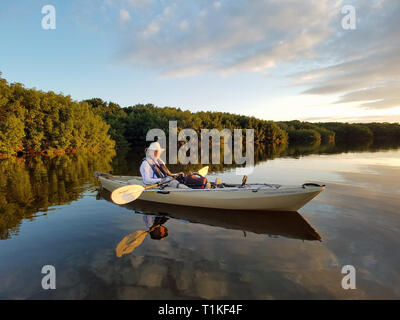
33 122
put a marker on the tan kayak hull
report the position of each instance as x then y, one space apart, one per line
285 198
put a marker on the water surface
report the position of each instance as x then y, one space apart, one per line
51 214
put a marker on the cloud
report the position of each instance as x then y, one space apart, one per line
381 97
139 3
186 38
184 25
124 15
365 63
194 37
217 4
357 119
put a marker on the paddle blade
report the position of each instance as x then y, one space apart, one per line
130 242
203 171
126 194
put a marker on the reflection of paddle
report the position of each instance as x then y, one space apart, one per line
132 241
130 193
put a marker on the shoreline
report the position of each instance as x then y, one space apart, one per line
47 152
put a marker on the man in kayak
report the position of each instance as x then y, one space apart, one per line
154 170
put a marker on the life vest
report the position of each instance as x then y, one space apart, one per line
159 169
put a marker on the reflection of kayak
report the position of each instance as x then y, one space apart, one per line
236 197
283 223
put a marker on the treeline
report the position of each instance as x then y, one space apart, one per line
130 125
359 132
307 133
33 121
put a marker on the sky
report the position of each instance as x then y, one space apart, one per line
272 59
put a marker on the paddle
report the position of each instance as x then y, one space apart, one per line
129 193
203 171
132 241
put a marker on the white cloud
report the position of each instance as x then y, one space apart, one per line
248 36
364 63
167 11
139 3
184 25
124 15
152 28
183 38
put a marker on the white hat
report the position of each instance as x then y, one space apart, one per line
155 146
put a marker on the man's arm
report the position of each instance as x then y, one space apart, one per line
175 175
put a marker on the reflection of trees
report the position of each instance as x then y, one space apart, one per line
296 150
127 162
29 185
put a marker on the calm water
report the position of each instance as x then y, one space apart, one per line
51 214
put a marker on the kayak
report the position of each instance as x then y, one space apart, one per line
274 223
257 196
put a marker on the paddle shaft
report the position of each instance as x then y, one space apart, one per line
155 185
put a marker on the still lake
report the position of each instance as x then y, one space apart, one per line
52 214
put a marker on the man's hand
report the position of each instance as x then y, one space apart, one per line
180 174
165 180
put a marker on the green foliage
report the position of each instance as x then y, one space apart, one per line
35 121
384 131
115 117
11 134
141 118
325 135
29 185
132 124
306 136
349 133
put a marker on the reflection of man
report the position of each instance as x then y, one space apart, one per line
155 225
155 228
154 170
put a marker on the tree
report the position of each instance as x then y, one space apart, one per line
36 121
